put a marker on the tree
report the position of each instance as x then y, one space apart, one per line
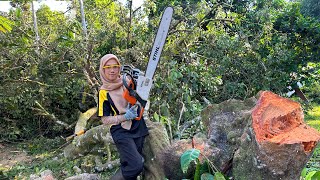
311 8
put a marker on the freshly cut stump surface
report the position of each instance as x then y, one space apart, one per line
280 120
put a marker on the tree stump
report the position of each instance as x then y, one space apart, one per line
278 143
252 139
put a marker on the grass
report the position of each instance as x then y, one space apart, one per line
312 118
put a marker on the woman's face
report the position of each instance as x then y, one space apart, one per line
112 70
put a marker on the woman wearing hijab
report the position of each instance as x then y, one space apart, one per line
127 133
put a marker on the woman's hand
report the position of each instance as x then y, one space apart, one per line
131 113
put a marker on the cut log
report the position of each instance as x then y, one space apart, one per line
279 145
97 136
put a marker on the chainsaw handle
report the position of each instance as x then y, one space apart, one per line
140 114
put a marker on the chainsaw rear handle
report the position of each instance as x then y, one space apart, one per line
132 96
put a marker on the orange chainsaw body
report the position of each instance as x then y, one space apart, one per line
132 100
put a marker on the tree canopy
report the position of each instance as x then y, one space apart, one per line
215 50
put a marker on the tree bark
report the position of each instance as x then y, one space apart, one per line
97 136
129 26
83 19
155 144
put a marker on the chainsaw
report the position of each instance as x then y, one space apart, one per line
138 89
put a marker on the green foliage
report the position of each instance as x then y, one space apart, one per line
5 24
201 171
207 176
218 176
50 76
42 145
250 54
312 175
232 59
311 76
311 8
313 115
187 157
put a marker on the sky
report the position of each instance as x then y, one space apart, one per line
57 5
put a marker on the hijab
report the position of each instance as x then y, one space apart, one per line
107 84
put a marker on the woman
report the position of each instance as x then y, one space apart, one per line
127 133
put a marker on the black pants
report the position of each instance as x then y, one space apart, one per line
130 150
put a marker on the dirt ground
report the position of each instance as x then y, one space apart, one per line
10 155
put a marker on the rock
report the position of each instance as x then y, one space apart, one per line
44 175
76 169
84 176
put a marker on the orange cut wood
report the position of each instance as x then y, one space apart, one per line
279 120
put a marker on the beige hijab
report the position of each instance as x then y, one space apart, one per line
115 88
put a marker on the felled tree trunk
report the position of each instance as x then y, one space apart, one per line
86 143
95 137
251 139
155 144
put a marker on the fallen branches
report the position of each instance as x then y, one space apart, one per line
43 112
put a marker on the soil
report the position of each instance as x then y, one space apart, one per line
10 155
